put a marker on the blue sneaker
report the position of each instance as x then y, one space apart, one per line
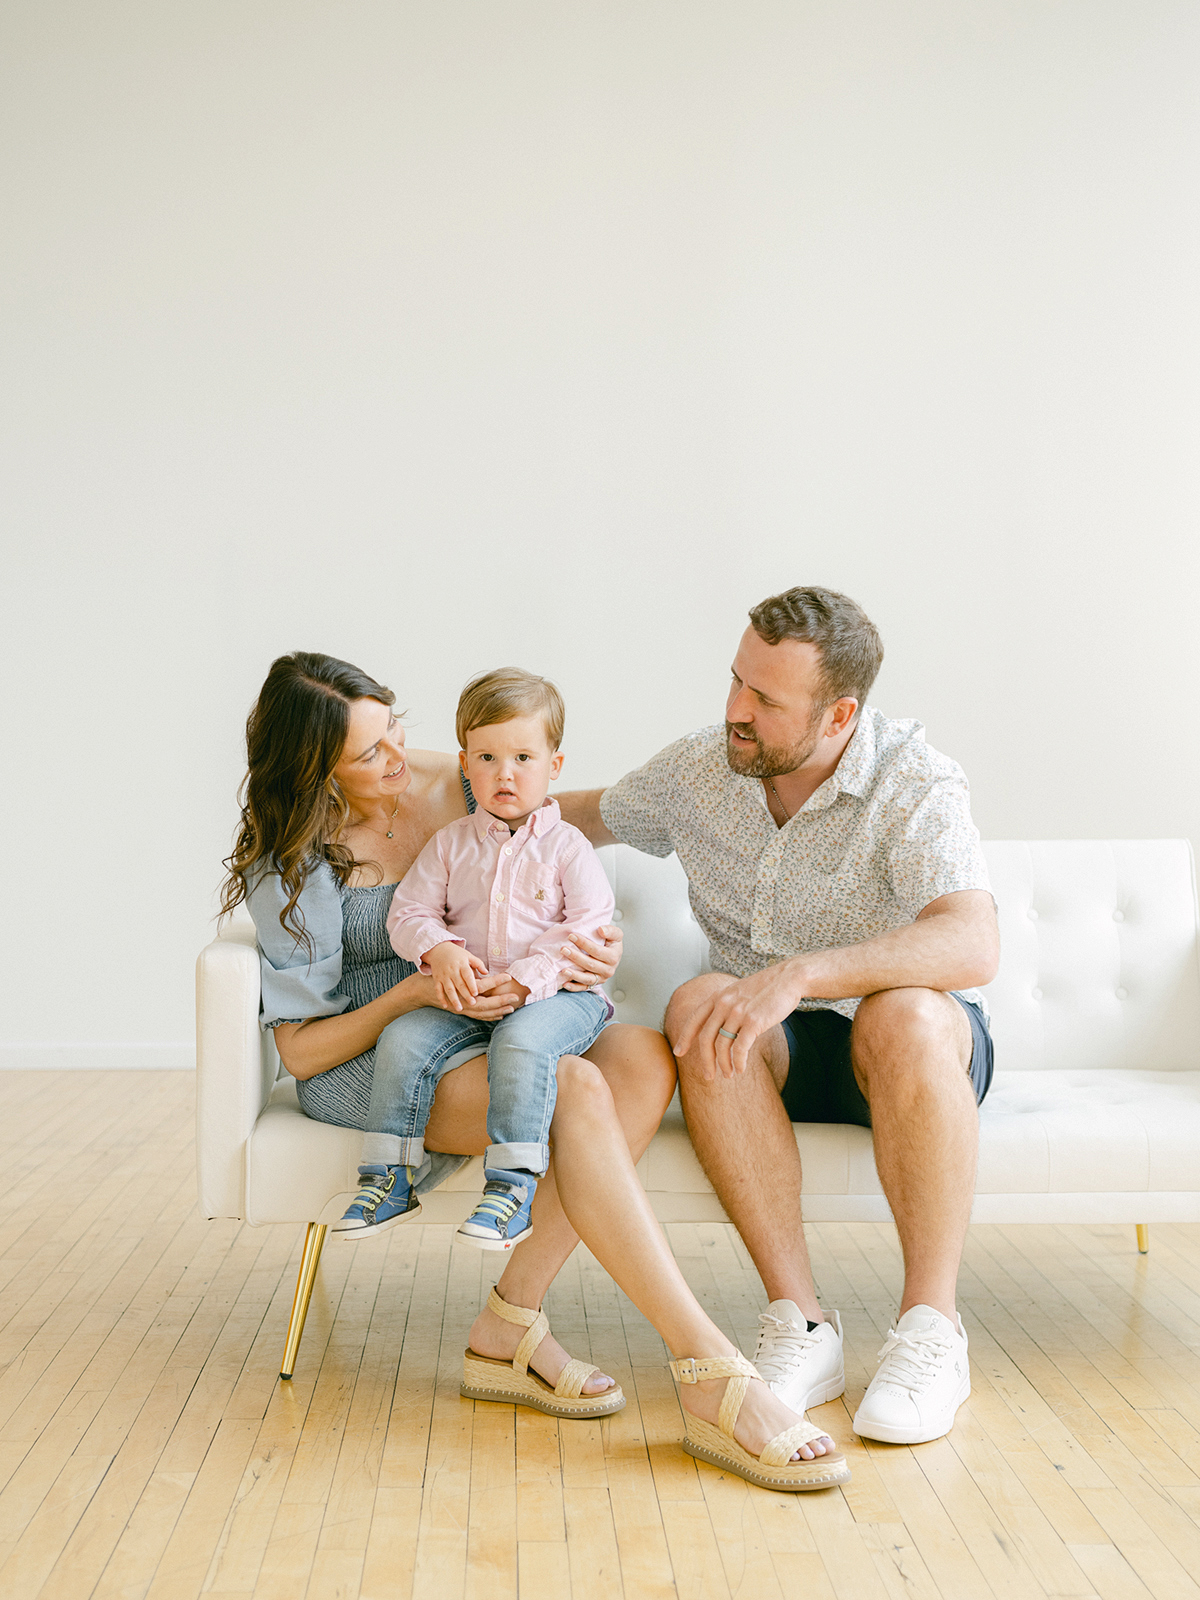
501 1218
385 1198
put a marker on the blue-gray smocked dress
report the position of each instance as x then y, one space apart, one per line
352 963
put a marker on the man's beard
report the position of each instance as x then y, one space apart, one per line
771 761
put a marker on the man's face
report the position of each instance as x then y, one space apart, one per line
773 716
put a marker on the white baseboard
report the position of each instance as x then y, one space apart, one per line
92 1057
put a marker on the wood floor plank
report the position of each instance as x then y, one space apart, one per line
899 1563
1146 1555
700 1573
492 1527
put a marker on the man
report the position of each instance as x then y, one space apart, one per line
835 869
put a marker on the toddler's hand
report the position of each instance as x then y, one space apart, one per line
454 970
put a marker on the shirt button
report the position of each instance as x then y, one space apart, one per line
499 897
1037 994
1122 994
508 849
1033 916
618 916
618 995
1118 916
495 949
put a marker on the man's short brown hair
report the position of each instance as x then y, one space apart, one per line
849 643
507 693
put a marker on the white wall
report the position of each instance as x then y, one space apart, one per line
443 334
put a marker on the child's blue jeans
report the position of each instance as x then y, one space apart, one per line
523 1051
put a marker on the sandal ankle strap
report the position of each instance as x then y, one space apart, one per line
521 1315
535 1323
691 1370
736 1368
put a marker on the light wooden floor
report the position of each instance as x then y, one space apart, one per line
147 1448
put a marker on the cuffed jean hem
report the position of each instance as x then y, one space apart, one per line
501 1159
390 1150
383 1150
515 1180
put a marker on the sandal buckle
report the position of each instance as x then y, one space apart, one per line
688 1376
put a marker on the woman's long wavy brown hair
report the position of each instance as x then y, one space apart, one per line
293 809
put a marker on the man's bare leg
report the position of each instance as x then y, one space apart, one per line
745 1143
911 1049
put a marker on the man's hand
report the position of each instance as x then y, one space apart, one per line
746 1009
454 972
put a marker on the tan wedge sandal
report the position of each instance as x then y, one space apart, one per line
512 1383
774 1468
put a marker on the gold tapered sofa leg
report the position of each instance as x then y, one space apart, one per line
1143 1230
310 1259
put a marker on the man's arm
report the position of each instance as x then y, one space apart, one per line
953 944
581 808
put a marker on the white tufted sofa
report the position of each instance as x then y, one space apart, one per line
1094 1115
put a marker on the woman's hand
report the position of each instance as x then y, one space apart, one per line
497 997
593 961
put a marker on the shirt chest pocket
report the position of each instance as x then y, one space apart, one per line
541 891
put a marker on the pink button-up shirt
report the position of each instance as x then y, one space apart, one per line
510 898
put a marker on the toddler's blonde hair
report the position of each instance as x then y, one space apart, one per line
507 693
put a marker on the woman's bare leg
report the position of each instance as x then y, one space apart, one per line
597 1187
639 1069
602 1196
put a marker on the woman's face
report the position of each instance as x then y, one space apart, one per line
372 767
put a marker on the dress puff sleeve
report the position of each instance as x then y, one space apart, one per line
296 985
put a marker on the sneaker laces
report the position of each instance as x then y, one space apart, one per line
499 1202
912 1363
780 1345
373 1194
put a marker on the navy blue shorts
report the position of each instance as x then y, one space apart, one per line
821 1086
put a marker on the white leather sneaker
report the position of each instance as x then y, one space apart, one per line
922 1380
804 1369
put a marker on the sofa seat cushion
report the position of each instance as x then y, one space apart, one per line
1040 1133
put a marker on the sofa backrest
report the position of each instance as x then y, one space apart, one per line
1098 962
1099 945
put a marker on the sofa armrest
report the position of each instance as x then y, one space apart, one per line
235 1066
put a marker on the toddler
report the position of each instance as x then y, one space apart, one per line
494 893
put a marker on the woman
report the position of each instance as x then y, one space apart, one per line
336 811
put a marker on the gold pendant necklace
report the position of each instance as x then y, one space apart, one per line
396 808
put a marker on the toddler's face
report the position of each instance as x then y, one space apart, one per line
510 766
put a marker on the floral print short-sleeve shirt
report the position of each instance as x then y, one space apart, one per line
887 833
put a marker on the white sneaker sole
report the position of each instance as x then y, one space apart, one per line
372 1230
483 1241
938 1430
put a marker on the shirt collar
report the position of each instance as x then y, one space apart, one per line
854 770
538 823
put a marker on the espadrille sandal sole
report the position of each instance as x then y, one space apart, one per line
822 1472
485 1378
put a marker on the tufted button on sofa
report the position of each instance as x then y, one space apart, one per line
1094 1114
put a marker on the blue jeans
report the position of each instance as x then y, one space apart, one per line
523 1051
